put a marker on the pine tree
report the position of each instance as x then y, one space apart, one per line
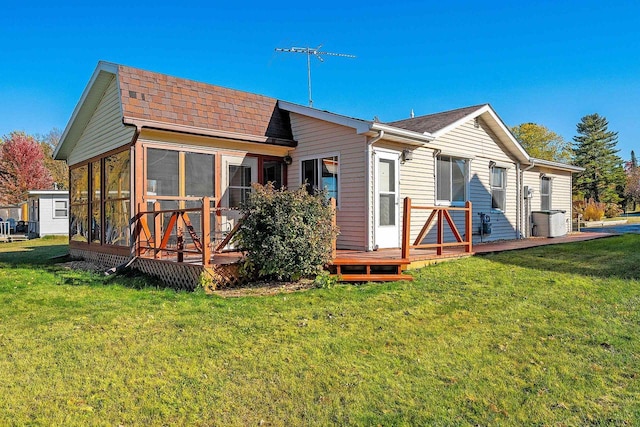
595 150
634 161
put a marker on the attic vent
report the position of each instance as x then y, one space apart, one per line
133 94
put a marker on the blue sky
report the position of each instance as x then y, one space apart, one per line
551 62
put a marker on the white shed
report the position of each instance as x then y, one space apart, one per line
48 213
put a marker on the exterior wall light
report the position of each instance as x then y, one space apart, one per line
407 155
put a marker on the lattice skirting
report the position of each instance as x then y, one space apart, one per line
176 275
190 276
108 260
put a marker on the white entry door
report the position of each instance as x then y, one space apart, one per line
238 173
386 199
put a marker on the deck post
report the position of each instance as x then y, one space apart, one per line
406 227
206 231
332 202
179 238
468 227
440 232
157 230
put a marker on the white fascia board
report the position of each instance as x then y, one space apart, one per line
420 138
556 165
102 66
461 121
519 151
361 126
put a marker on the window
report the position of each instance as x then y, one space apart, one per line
451 177
272 171
60 209
321 175
239 184
79 194
545 193
100 208
498 188
117 205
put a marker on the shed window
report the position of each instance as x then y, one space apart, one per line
545 193
451 177
61 209
498 188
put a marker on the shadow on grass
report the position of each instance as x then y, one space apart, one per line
613 257
49 257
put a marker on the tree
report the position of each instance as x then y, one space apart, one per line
632 186
542 143
22 167
58 168
595 150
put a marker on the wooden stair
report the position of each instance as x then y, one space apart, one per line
369 270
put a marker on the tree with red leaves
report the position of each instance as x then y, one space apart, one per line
22 167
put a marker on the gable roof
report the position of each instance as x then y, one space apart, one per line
158 101
431 123
440 123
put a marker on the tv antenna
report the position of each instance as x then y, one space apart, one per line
318 54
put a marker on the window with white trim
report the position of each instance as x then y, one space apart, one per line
321 174
61 209
452 180
498 188
545 193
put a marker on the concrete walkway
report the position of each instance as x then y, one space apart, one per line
509 245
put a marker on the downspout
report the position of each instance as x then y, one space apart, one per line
525 220
368 162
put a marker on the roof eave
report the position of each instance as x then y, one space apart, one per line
516 149
214 133
63 148
556 165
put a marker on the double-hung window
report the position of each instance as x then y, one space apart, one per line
451 178
321 174
498 188
545 193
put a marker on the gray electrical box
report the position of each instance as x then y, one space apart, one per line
549 223
528 192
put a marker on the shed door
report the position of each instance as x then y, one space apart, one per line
386 203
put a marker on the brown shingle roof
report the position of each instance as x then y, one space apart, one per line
161 98
434 122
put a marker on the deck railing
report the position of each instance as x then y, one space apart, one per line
175 236
440 215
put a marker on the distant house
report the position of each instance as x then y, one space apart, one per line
48 213
140 141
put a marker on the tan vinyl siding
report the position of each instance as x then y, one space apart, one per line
105 130
560 191
481 146
318 138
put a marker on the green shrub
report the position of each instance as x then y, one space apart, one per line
612 210
286 234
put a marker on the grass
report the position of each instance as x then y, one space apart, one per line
544 336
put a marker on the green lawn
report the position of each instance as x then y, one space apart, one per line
545 336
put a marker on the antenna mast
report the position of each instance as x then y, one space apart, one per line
318 54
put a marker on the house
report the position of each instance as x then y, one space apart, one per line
149 153
48 213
